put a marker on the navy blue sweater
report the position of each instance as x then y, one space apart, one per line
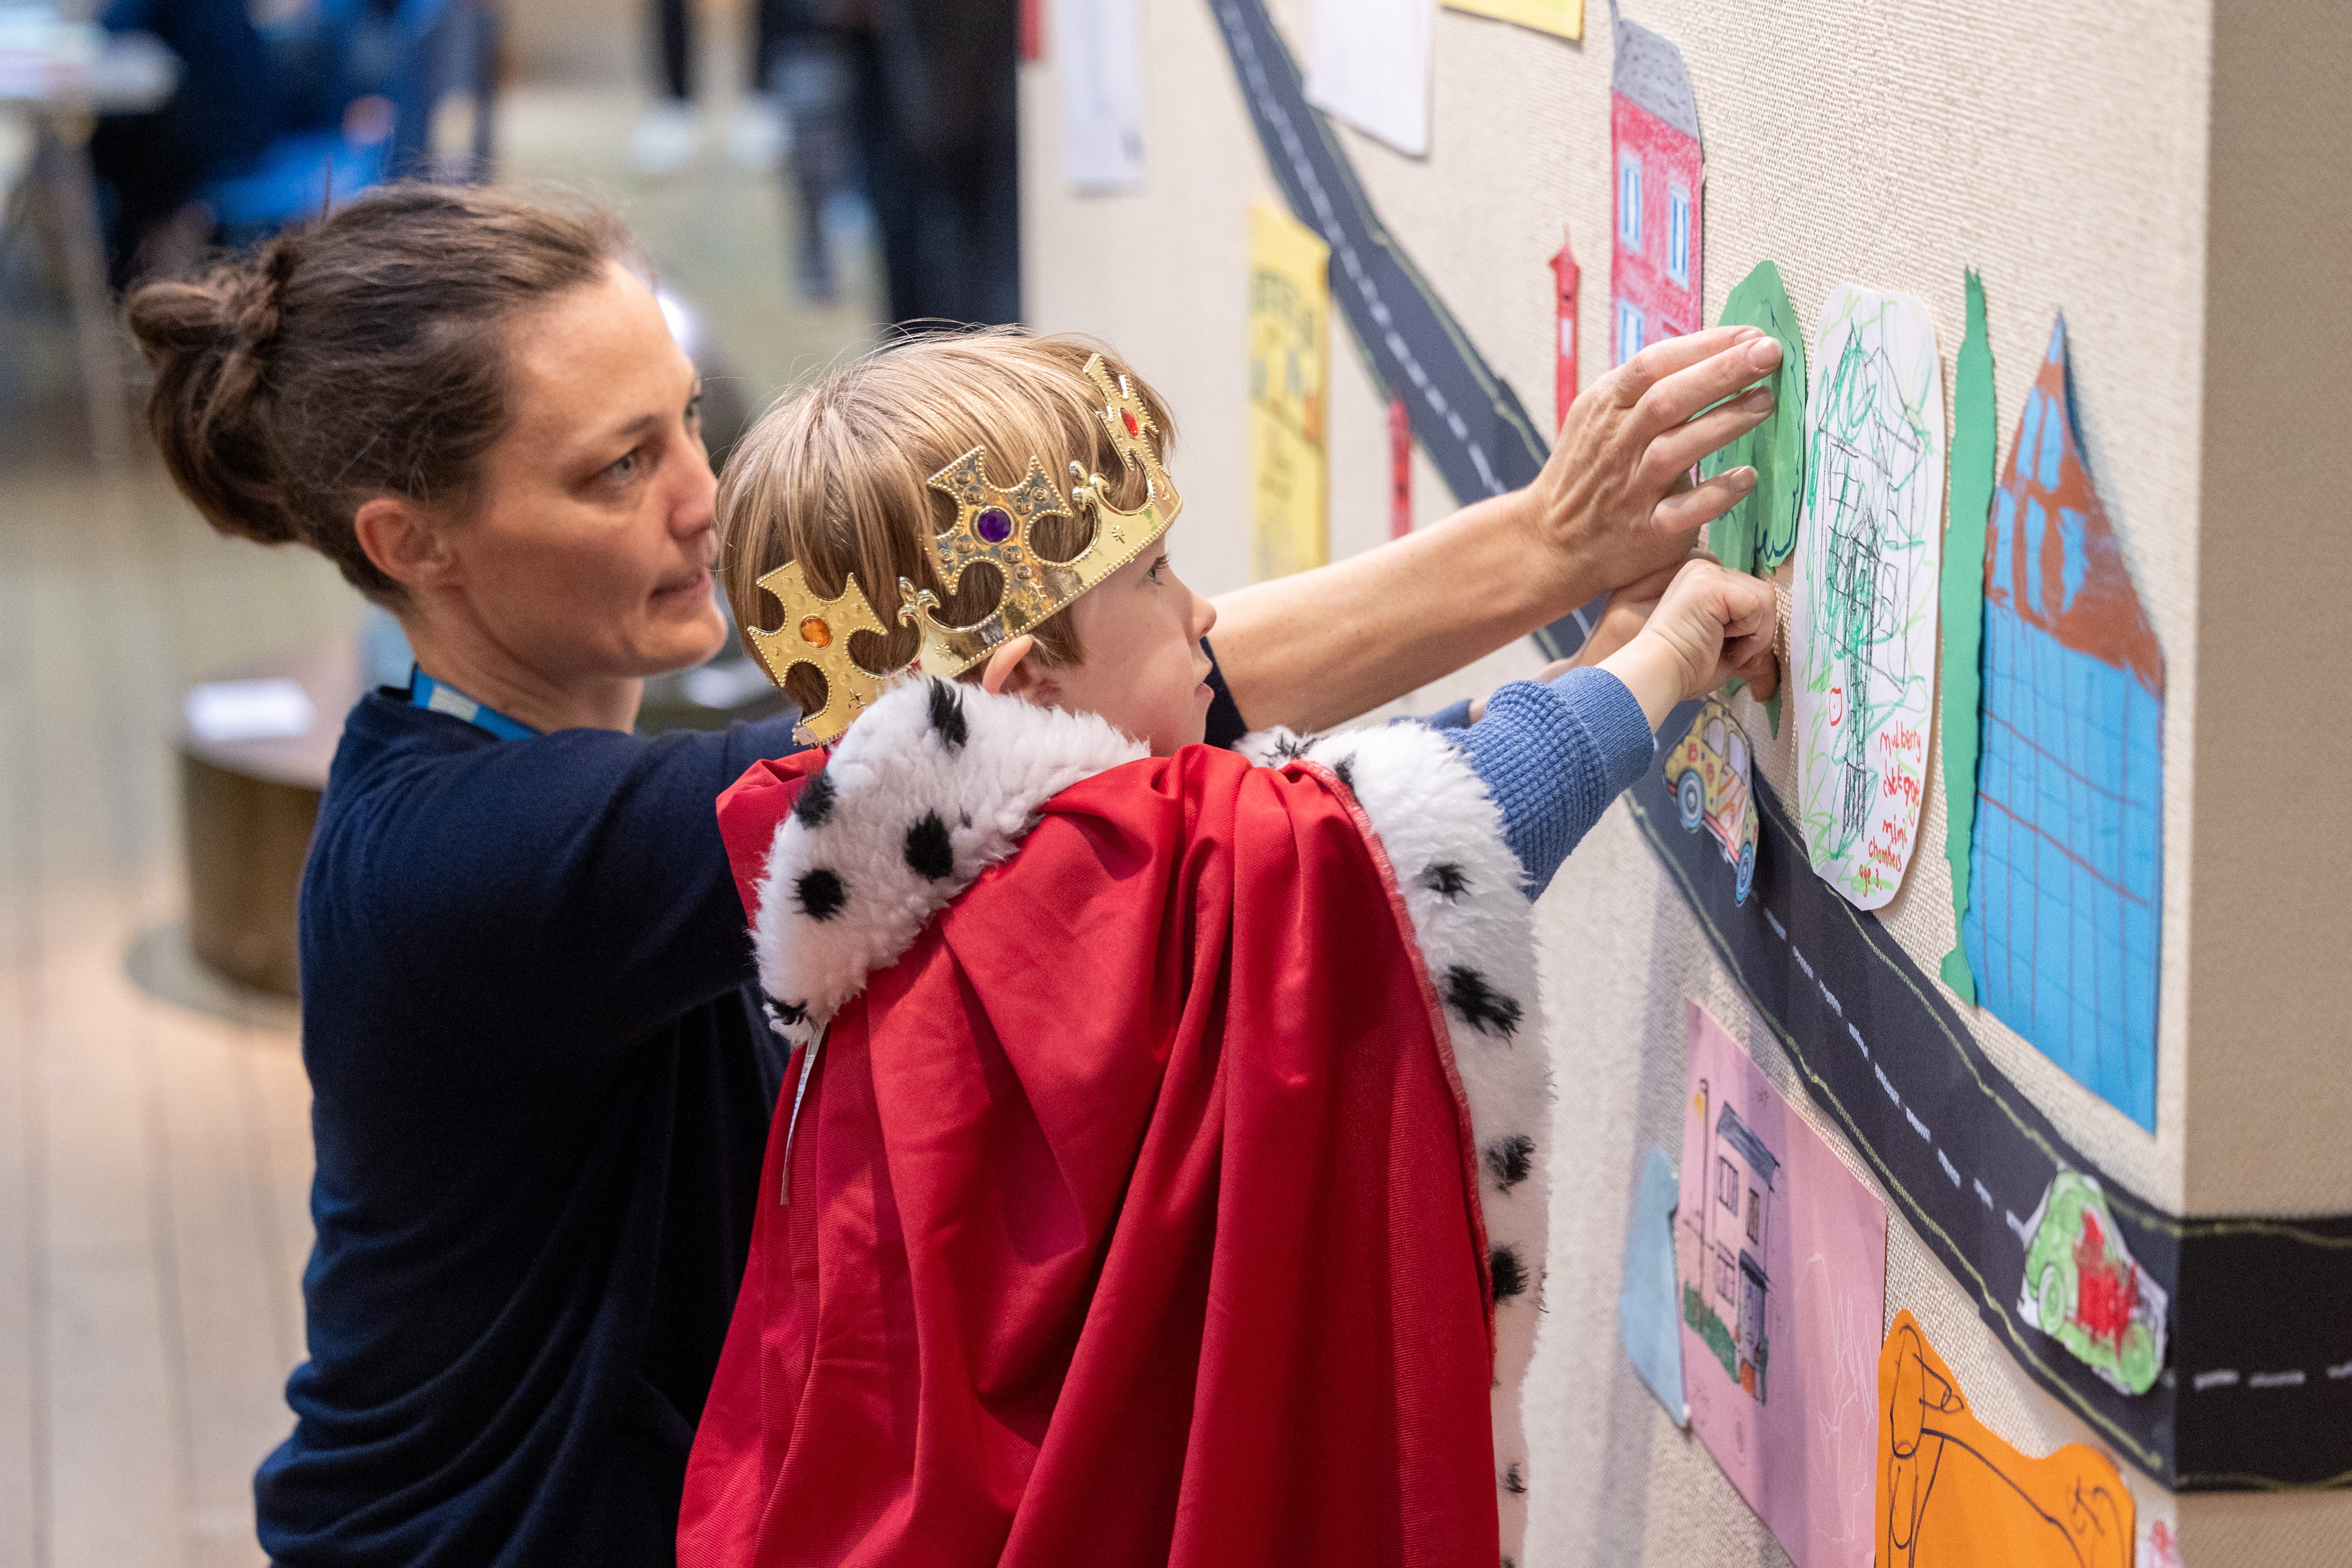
542 1087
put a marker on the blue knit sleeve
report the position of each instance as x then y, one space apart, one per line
1553 757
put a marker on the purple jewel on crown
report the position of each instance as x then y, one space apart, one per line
995 524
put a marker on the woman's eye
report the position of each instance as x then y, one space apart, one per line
694 409
1156 566
623 466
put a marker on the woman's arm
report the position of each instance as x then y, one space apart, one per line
1610 507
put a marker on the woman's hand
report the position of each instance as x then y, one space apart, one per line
1614 503
1624 615
1714 624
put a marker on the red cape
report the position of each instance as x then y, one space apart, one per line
1132 1214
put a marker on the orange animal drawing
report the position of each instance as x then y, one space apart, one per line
1953 1495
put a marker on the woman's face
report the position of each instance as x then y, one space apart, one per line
588 553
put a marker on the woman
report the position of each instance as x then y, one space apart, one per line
541 1082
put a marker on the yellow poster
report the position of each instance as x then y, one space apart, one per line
1565 17
1290 366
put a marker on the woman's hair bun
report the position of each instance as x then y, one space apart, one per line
207 339
359 357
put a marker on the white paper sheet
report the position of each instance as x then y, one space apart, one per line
1861 626
1367 62
1102 95
269 709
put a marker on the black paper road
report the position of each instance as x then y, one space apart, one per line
2257 1392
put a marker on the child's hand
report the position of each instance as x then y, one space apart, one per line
1713 625
1622 617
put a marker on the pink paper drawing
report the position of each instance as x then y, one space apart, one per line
1780 1263
1653 271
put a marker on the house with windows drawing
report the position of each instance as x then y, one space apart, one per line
1653 273
1728 1308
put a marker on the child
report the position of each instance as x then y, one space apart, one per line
1160 1176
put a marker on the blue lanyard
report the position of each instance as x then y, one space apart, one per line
424 692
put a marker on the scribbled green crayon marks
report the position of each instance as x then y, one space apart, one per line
1759 533
1863 624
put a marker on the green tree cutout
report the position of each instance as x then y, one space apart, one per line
1761 532
1976 437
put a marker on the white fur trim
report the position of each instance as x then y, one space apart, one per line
1462 890
900 766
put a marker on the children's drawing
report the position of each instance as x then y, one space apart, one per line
1708 772
1862 636
1368 63
1761 532
1646 1314
1653 273
1289 362
2084 1289
1976 446
1780 1265
2066 871
1953 1495
1562 17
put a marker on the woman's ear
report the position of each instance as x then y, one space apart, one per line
1010 670
404 542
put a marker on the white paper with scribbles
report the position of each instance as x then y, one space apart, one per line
1861 628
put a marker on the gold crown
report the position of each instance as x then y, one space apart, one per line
992 525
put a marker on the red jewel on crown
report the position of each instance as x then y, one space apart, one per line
1127 415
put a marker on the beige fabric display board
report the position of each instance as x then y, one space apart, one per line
2168 176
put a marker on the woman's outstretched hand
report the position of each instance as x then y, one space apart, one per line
1614 503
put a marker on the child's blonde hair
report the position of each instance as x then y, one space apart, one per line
835 478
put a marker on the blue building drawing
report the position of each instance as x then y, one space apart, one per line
2064 925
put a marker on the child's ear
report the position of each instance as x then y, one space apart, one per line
1009 671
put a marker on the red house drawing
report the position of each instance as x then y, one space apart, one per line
1653 273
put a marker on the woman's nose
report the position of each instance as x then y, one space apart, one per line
1204 616
695 507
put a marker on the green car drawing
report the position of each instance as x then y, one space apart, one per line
2083 1289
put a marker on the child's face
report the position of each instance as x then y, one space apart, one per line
1143 670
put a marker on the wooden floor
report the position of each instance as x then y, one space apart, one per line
154 1159
155 1140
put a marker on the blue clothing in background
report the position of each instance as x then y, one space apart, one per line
543 1087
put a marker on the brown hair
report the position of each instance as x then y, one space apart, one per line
835 478
358 358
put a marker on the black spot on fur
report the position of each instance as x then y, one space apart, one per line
1345 771
1482 1007
822 894
1445 879
1514 1483
1291 747
1510 1276
947 715
929 852
815 803
1509 1160
789 1012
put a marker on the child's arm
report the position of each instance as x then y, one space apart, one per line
1554 755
